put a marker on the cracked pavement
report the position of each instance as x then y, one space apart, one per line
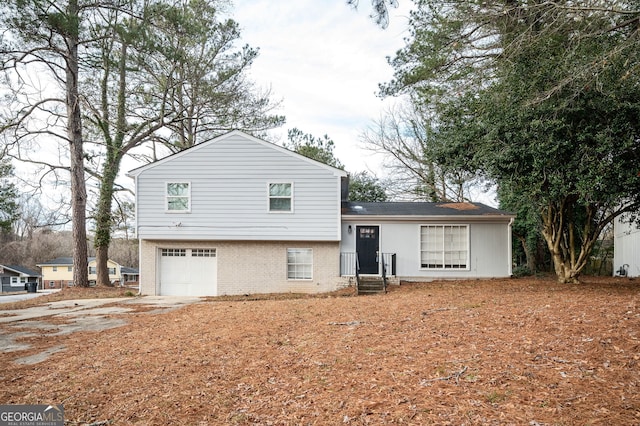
54 319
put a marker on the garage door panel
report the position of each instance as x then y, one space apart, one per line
188 272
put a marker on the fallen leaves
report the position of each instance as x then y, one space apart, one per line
523 351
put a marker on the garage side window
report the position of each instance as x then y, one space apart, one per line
444 246
280 197
299 264
178 196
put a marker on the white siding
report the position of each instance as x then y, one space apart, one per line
626 247
229 195
489 247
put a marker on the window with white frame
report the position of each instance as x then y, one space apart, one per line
280 197
178 196
299 264
18 281
93 270
444 246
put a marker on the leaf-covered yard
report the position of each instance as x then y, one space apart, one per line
521 351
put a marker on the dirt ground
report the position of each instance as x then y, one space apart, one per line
495 352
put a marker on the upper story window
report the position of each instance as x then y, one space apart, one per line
54 269
94 270
444 247
178 196
280 197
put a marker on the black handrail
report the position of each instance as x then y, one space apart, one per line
357 273
384 274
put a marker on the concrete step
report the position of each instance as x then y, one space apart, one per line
371 285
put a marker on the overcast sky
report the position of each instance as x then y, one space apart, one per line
324 60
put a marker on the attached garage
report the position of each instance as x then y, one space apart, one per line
188 271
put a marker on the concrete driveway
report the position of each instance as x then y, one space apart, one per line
69 316
11 297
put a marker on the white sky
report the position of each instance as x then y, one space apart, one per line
323 60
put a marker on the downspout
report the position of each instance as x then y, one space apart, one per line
137 234
510 248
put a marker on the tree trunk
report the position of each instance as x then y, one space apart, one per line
104 218
102 266
569 254
74 133
565 272
528 254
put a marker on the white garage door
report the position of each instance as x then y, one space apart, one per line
188 272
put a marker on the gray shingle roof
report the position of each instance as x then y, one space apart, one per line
68 261
355 208
59 261
22 270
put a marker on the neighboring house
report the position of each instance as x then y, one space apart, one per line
130 277
15 278
58 273
238 215
626 248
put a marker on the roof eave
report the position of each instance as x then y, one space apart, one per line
467 218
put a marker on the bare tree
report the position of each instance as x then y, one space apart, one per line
44 36
380 12
404 135
164 72
33 216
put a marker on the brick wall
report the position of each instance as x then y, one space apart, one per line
252 267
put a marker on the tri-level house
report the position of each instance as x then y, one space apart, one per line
239 215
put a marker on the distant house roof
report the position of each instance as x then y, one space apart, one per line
68 261
58 261
355 208
21 270
129 271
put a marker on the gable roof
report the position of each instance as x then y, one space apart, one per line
135 172
421 209
67 261
20 270
58 261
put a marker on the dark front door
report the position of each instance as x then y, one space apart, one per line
367 246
